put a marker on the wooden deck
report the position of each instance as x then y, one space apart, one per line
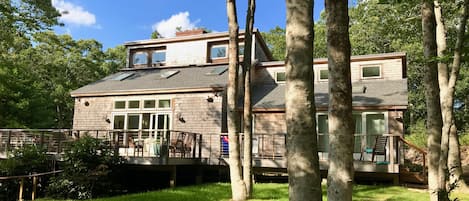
164 147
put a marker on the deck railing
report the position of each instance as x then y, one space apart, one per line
135 143
181 144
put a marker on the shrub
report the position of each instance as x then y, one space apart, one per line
418 134
24 161
88 164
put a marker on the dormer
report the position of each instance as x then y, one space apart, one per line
191 47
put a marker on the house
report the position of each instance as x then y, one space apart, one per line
178 84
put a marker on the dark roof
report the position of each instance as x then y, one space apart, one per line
142 81
377 93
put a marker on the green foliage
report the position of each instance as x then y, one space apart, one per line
464 139
418 134
88 166
275 40
25 161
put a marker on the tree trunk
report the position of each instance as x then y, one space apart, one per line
247 170
446 103
302 158
454 157
432 98
238 188
341 126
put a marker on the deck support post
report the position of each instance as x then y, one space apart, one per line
199 178
172 177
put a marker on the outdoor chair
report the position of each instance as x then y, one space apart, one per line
379 148
177 145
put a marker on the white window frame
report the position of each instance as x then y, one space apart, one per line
139 52
217 46
119 109
164 108
372 77
275 77
148 99
319 74
133 109
161 62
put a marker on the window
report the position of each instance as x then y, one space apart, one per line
217 70
119 121
218 51
119 105
241 50
122 76
164 103
149 104
134 104
371 72
280 77
133 121
375 125
140 58
323 130
158 57
357 119
323 74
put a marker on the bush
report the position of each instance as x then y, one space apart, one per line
418 134
88 164
25 161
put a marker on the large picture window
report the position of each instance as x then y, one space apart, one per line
140 58
158 57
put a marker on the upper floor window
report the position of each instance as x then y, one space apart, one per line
218 51
280 77
323 74
371 71
140 58
158 57
241 50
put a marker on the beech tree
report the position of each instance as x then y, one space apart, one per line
432 99
238 188
450 164
341 127
247 64
304 177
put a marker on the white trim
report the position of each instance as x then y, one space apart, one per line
275 77
372 77
319 74
217 46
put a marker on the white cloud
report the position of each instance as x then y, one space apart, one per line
167 27
74 14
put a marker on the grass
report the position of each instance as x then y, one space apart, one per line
271 192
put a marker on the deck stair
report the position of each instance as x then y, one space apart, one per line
414 170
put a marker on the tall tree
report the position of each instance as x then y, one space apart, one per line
447 78
341 126
434 119
302 158
247 64
238 188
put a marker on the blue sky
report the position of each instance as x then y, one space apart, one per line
115 22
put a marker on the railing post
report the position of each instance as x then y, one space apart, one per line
8 143
20 193
41 142
194 139
200 146
59 144
33 194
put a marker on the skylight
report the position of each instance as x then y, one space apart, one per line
217 71
168 74
122 76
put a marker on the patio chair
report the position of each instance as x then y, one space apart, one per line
379 148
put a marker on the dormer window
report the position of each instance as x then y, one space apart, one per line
280 77
218 52
140 58
158 57
371 72
323 74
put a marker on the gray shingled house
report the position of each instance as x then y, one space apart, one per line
176 85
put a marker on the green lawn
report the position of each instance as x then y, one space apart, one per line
264 192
